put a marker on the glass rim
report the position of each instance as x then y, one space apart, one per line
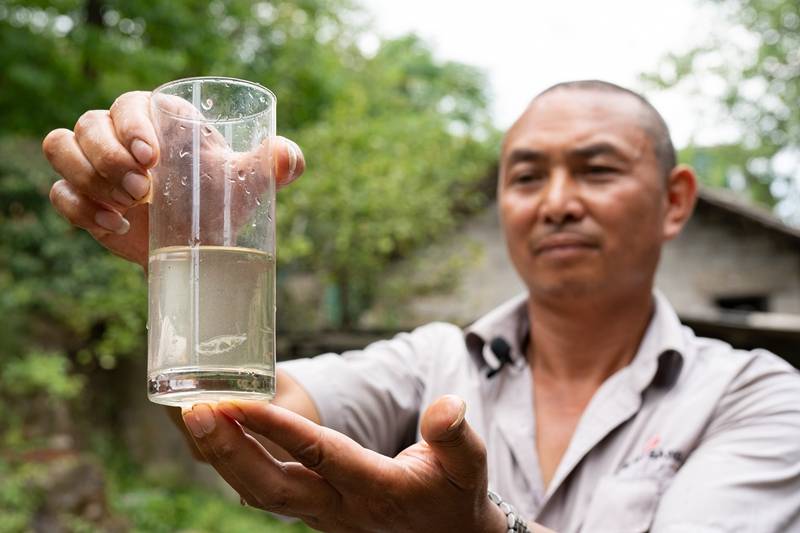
218 79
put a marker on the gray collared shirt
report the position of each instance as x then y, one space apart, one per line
691 437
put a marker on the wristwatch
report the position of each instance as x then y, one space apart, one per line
513 521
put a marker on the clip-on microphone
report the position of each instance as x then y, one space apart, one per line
502 350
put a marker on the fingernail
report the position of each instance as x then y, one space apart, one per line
122 198
191 422
204 417
294 154
136 185
232 410
142 151
460 418
112 222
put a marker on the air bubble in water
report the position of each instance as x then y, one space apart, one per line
206 130
208 104
258 200
183 181
240 173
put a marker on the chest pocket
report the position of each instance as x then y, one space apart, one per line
622 506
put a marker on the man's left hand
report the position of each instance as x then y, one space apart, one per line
437 484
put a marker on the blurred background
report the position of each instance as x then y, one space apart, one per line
399 108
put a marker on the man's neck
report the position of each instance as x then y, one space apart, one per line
586 340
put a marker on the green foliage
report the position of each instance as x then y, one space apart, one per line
17 501
397 154
156 509
756 60
148 505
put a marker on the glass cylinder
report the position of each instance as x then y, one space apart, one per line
211 278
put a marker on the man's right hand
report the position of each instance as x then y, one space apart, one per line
105 163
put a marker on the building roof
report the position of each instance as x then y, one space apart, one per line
734 203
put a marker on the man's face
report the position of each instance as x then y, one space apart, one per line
581 198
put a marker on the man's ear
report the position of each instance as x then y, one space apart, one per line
680 199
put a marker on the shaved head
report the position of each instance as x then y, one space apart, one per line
651 120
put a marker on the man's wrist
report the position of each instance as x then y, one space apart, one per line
496 521
513 522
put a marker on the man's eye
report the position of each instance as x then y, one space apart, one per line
527 177
598 169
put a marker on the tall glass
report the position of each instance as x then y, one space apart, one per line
212 243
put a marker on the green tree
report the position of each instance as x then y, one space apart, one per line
755 56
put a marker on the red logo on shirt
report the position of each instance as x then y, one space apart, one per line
652 444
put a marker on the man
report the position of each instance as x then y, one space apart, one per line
598 410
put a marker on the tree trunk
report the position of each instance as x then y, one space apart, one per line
94 22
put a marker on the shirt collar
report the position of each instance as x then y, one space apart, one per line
510 322
660 357
658 360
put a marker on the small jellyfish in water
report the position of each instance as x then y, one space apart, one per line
208 104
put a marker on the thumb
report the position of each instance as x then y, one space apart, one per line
455 444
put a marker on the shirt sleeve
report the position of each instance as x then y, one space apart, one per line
745 474
371 395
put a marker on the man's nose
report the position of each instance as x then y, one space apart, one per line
560 200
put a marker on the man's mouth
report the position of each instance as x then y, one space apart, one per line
563 244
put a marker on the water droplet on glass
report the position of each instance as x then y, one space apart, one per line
258 200
182 127
183 153
206 130
240 173
208 104
183 181
252 170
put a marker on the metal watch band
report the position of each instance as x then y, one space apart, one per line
513 521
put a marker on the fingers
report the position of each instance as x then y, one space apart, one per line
97 138
458 448
334 456
130 114
261 480
67 158
81 211
289 161
286 159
